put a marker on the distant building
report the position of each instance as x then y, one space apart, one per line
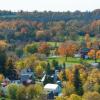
55 88
27 76
84 52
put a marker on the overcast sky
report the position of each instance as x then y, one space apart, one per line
49 5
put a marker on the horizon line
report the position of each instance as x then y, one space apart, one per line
49 10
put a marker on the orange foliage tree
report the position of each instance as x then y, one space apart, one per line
98 54
44 48
92 53
67 49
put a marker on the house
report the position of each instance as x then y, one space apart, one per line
27 76
95 64
84 52
77 55
55 88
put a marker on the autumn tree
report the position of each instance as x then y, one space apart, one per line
88 41
1 77
43 35
31 48
91 53
91 96
68 89
39 70
67 49
12 90
21 93
27 62
34 92
75 97
44 48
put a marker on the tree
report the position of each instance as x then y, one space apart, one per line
39 70
10 70
3 60
38 89
1 78
61 98
48 68
67 49
21 93
69 75
55 64
42 35
19 52
75 97
68 89
34 92
98 54
78 83
12 91
91 53
27 62
87 37
31 48
44 48
88 41
91 96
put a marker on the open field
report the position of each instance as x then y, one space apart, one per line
71 60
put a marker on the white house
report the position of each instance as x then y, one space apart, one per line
95 64
77 55
55 88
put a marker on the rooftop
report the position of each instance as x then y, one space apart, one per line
51 86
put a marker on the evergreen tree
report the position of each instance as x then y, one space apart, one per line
3 59
10 72
78 83
64 76
64 73
48 69
55 64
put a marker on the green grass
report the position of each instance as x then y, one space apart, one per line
81 38
51 43
71 60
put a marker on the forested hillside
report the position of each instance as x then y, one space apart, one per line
48 26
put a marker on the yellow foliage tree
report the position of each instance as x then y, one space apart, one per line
39 70
74 97
91 96
1 77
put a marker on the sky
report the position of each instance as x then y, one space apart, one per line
49 5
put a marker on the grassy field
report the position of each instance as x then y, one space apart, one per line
81 38
71 60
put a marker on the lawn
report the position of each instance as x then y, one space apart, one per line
51 43
81 38
70 60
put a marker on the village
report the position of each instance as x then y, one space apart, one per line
54 74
